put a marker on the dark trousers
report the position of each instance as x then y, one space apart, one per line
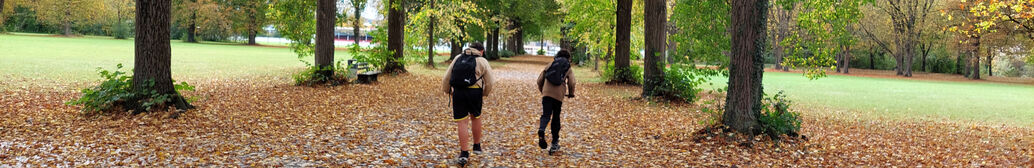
550 110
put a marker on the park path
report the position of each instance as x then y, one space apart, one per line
405 121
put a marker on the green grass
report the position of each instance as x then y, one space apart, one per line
988 103
51 59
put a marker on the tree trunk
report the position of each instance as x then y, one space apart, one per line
989 56
430 39
153 54
519 42
456 47
623 45
357 23
325 18
656 43
872 60
975 58
958 63
847 59
251 37
66 22
192 27
494 42
396 33
253 27
743 101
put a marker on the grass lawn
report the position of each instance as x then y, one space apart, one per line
53 59
849 96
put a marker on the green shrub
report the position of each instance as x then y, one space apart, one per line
714 107
310 75
116 91
634 73
777 119
506 53
541 52
682 82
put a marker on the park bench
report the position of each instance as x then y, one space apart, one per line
366 76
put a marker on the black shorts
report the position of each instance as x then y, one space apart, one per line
466 102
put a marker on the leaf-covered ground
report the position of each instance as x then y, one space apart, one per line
405 122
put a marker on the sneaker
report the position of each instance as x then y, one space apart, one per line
464 156
477 148
542 140
554 148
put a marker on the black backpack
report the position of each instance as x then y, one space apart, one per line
463 71
557 72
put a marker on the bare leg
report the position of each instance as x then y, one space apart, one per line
463 126
476 128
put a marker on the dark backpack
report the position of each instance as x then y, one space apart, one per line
557 72
463 71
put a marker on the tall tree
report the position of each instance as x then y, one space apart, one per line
250 17
69 13
655 13
743 101
430 36
294 20
396 33
153 54
123 10
326 15
623 44
357 22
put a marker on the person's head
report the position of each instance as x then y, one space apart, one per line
477 46
564 54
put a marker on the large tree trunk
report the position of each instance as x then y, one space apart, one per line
656 42
357 12
623 45
153 54
396 33
325 18
743 101
430 39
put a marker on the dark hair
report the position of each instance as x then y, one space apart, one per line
563 53
478 46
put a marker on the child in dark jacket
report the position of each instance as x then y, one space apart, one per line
552 99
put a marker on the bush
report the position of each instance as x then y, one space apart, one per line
506 53
116 91
541 52
682 82
777 119
634 73
311 76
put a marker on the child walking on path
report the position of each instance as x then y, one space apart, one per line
468 79
555 82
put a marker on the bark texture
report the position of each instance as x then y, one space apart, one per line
153 55
656 42
743 103
622 35
325 19
396 33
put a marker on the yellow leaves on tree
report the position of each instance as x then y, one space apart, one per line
69 13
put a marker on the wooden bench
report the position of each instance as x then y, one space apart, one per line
366 77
